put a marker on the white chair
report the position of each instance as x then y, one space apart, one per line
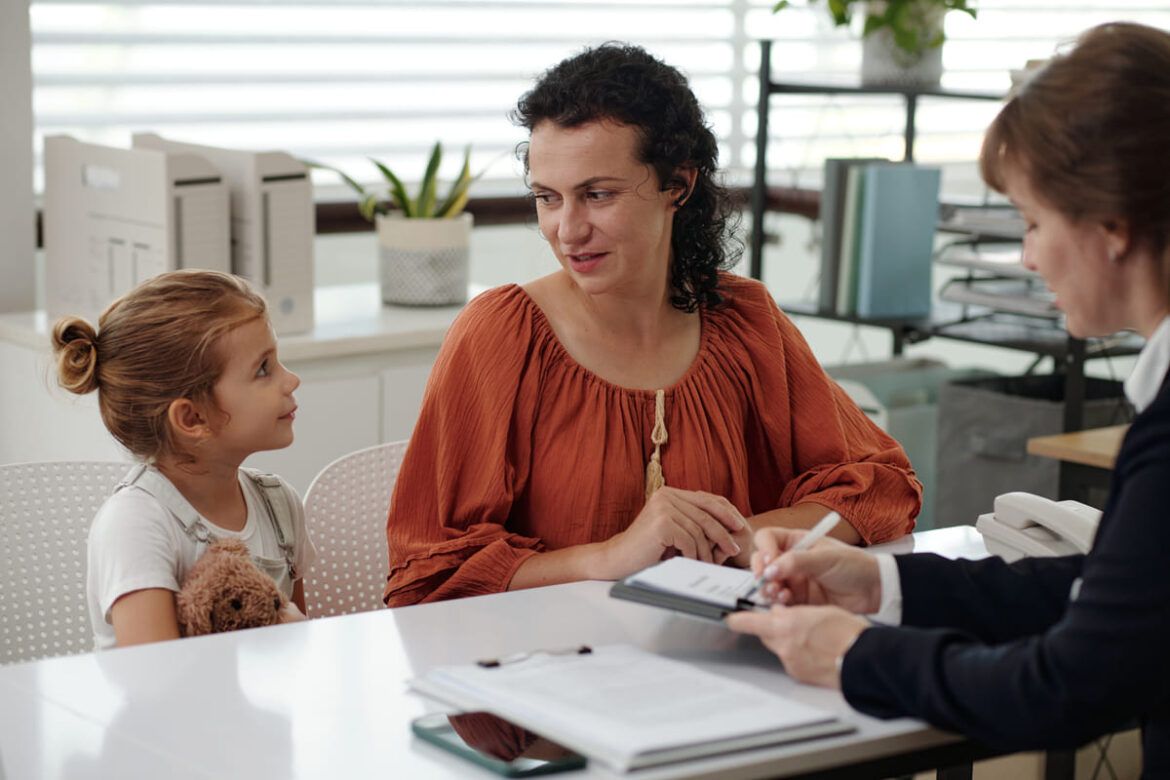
45 514
345 511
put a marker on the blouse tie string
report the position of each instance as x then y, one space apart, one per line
658 437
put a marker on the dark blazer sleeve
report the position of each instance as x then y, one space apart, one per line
1101 663
992 600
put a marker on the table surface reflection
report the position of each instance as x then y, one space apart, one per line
328 698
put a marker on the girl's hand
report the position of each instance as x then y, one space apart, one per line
291 614
694 524
807 640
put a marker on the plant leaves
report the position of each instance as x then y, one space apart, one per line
839 9
369 207
358 188
457 197
425 205
368 201
397 191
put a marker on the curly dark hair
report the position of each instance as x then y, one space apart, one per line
625 84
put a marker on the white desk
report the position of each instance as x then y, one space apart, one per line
327 698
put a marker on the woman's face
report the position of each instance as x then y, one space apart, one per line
1074 260
599 208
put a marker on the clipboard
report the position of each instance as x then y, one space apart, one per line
627 708
692 587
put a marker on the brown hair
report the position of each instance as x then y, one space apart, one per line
152 346
1091 131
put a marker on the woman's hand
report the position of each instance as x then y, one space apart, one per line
807 640
830 572
691 523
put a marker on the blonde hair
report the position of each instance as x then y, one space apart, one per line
155 344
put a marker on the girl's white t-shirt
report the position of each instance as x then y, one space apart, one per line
135 543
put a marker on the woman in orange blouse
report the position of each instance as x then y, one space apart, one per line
640 402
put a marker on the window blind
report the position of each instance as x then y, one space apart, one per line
337 82
340 81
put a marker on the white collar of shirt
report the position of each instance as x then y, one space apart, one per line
1143 384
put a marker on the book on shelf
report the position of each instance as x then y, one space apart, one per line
625 707
895 240
833 211
879 220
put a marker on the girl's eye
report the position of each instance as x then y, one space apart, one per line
598 194
263 370
543 198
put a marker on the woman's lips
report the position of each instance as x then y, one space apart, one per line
584 262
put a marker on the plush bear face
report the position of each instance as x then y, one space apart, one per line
242 603
224 591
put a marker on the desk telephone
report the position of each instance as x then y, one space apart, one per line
1024 524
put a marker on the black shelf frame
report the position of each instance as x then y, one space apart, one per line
969 324
768 88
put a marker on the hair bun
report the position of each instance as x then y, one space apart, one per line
75 344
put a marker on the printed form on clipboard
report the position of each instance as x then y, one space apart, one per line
693 587
627 708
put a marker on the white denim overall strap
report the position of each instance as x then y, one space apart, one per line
150 481
278 506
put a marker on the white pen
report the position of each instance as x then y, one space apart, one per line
826 524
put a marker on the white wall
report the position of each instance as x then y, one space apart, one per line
17 226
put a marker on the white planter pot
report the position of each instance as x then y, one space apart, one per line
424 261
884 64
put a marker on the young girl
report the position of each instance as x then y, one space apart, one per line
189 382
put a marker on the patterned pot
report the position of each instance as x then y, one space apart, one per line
424 262
884 64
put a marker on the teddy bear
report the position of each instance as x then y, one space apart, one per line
225 591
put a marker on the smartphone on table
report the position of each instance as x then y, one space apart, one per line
496 744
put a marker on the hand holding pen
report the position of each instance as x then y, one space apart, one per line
798 567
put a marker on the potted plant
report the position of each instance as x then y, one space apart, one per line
424 241
901 40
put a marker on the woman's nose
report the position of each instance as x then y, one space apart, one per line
573 227
1028 262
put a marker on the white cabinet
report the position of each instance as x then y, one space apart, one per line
334 416
39 420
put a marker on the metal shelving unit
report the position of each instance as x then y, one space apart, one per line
971 324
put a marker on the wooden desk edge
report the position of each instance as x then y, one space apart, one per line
1094 447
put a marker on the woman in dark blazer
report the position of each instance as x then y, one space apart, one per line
1048 652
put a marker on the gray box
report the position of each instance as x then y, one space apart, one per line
908 390
983 432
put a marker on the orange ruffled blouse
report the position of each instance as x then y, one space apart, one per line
519 449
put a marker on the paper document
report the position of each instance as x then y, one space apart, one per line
696 588
626 708
722 585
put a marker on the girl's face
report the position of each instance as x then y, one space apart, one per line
254 393
1074 260
599 208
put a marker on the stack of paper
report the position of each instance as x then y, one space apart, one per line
690 586
627 708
